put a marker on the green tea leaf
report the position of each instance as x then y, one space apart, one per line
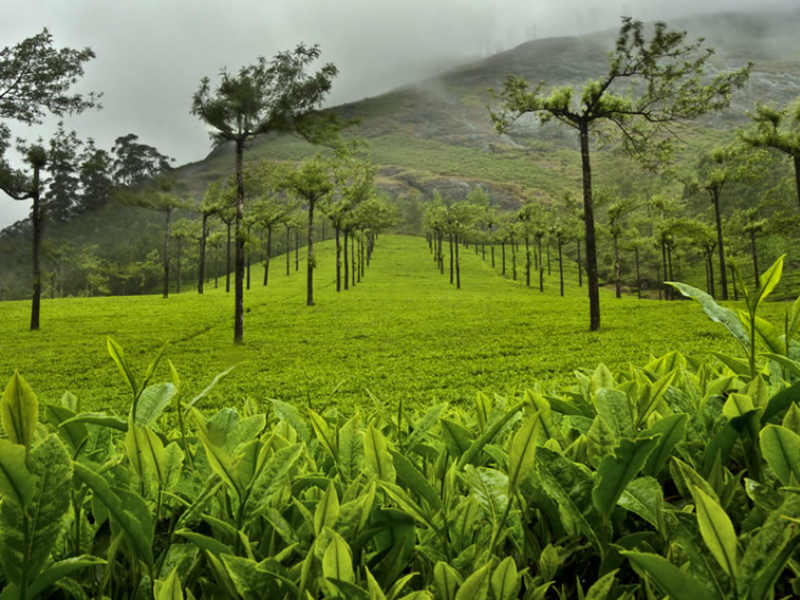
169 588
769 279
615 408
522 453
152 402
644 497
424 425
671 432
337 561
291 415
471 453
378 460
669 578
717 530
327 511
16 481
117 354
476 586
19 411
411 478
602 587
446 580
717 313
781 449
457 438
617 470
505 580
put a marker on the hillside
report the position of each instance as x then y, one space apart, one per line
437 135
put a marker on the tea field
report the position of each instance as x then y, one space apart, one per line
403 333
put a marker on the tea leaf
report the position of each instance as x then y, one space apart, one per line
781 449
505 580
717 313
717 530
16 481
152 402
19 411
446 580
672 580
617 470
117 354
601 588
378 460
327 511
476 586
337 561
169 588
522 453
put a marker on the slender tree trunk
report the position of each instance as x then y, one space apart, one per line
540 263
664 270
588 219
178 248
547 248
441 253
353 259
710 257
338 261
267 254
458 268
580 262
513 259
238 318
617 268
346 262
503 249
560 267
483 250
720 247
297 249
527 261
450 240
248 252
216 268
310 257
429 238
754 254
492 249
638 275
36 222
358 256
228 261
288 250
168 215
797 175
201 273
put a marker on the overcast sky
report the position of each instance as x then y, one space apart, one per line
151 54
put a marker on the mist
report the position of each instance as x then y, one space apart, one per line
152 54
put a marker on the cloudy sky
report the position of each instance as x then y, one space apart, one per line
151 54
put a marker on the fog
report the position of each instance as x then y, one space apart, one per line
152 54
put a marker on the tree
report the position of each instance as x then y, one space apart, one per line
135 162
262 97
95 177
355 184
778 129
650 85
62 166
312 181
34 81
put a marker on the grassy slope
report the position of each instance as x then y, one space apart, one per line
404 333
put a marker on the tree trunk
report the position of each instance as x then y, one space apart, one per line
441 254
238 313
297 249
722 272
310 256
267 254
483 250
540 263
527 261
710 258
168 215
248 252
560 268
503 248
353 259
617 268
492 249
638 275
797 175
338 261
450 239
547 248
37 221
201 272
588 219
513 259
754 254
346 263
359 254
178 248
458 268
288 250
228 261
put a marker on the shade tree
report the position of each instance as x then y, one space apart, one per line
652 82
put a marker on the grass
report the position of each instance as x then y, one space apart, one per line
404 333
